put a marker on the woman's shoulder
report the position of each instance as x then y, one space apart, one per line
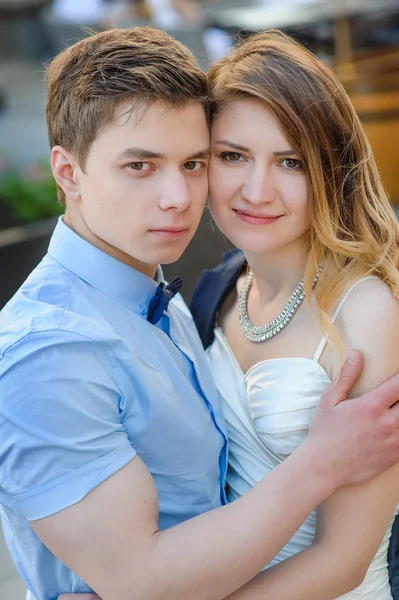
213 287
369 322
368 299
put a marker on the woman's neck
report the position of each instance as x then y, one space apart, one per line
278 273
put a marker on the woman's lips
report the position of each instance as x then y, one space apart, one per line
253 219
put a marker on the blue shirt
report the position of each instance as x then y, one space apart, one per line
86 382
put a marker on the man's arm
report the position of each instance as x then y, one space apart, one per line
112 541
111 538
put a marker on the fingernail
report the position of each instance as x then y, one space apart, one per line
351 357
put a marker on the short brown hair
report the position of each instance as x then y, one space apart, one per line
89 80
353 223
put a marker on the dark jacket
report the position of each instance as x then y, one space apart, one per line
210 292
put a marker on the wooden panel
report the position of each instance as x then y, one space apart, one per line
379 113
371 79
384 140
385 102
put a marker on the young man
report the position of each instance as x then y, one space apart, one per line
112 444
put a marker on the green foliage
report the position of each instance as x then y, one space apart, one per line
31 194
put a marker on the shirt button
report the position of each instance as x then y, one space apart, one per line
142 310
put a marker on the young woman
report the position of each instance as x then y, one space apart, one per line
294 185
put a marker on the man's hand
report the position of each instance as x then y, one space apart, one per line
359 437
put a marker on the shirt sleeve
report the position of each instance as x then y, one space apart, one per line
61 433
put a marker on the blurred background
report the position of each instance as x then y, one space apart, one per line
358 39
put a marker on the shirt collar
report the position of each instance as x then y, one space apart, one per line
110 276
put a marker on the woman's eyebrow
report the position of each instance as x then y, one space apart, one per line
288 152
232 145
284 152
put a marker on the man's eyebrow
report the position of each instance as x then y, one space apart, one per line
136 154
201 154
288 152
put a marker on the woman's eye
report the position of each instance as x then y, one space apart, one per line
292 164
231 156
139 166
193 165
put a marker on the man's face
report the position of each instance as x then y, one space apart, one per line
144 185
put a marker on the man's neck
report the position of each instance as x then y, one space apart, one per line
78 225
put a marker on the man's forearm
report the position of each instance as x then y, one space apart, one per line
216 553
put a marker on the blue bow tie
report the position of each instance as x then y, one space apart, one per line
160 300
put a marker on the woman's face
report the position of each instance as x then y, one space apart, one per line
259 190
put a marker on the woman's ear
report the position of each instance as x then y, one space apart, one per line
64 166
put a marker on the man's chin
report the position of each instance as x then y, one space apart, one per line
171 256
171 253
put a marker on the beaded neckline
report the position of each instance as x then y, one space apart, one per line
262 333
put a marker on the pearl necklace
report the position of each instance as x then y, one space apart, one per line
265 332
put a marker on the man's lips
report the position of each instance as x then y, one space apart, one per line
172 229
170 233
256 218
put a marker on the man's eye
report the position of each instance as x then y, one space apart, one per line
139 166
193 165
292 164
231 156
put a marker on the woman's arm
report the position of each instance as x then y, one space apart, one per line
351 522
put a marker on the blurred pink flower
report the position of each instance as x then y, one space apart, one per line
34 172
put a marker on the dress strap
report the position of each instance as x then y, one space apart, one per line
323 341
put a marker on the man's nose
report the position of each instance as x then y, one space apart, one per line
176 193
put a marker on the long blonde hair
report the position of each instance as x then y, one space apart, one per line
353 223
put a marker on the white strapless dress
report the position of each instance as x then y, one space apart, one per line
268 411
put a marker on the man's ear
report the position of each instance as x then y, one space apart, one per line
64 167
